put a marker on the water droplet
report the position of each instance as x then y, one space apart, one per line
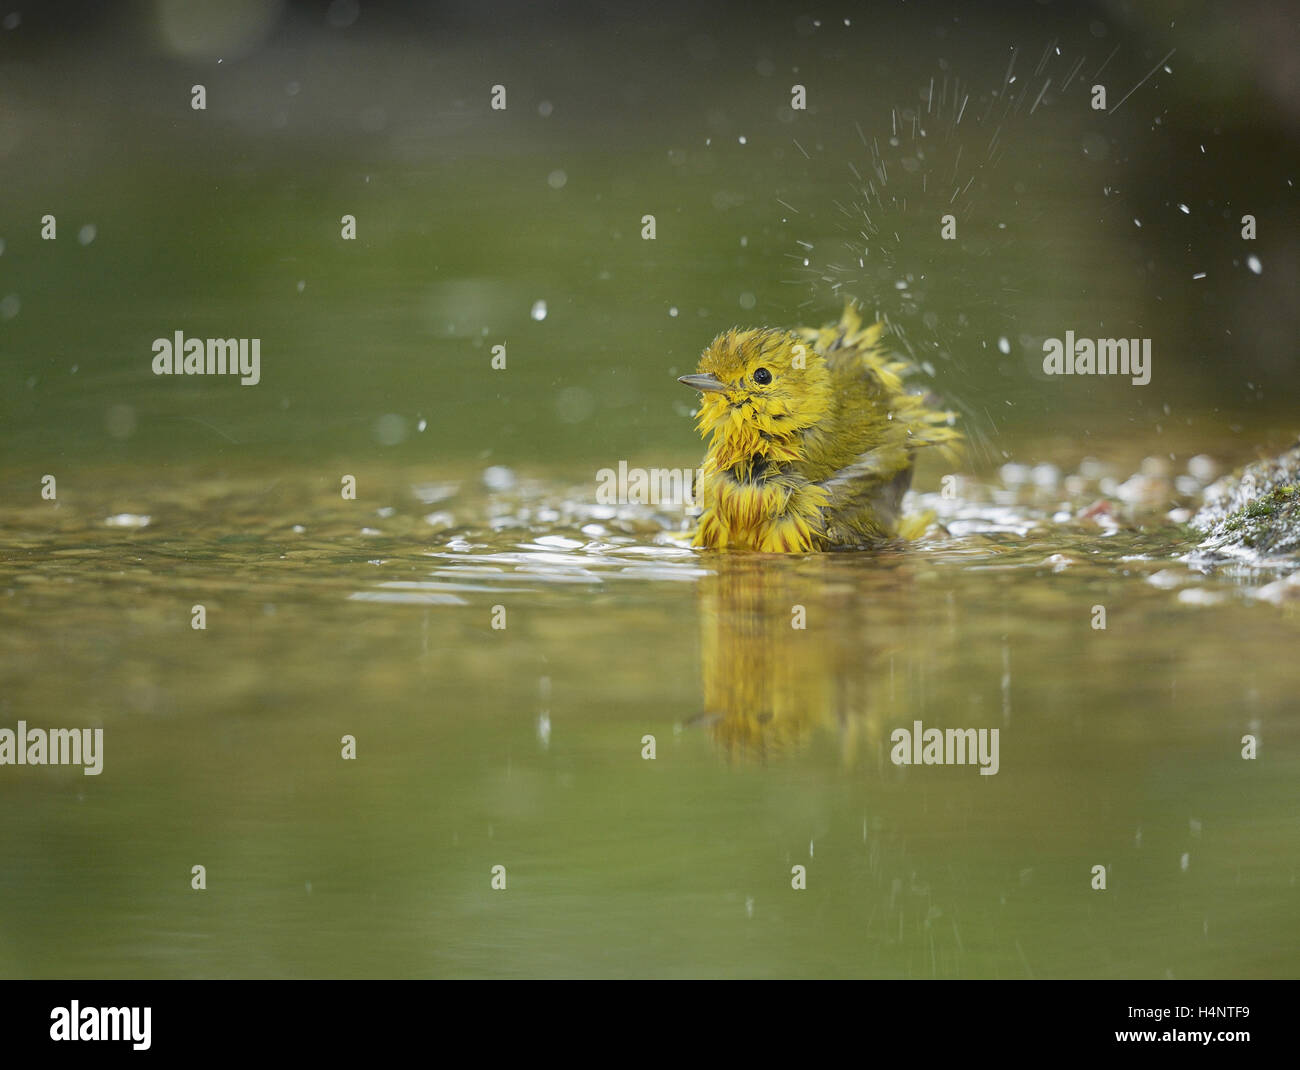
390 429
498 477
574 404
1004 345
128 520
119 421
1046 476
1253 263
539 311
556 179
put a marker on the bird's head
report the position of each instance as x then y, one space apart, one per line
760 389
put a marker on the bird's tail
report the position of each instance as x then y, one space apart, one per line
915 525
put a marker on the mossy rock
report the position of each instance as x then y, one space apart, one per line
1254 512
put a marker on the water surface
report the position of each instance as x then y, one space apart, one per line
522 746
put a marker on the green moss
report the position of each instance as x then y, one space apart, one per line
1257 510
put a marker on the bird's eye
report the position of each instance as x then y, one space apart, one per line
762 377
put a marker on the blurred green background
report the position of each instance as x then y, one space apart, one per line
522 747
226 222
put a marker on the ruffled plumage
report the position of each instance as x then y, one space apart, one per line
819 456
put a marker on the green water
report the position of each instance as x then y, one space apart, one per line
523 746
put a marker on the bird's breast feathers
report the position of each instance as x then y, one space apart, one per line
770 511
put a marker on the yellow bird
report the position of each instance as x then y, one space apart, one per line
811 438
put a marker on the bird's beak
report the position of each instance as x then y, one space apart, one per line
706 383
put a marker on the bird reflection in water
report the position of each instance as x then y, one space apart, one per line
790 649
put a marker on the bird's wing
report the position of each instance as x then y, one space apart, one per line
871 467
866 495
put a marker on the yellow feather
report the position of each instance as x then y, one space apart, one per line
812 436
